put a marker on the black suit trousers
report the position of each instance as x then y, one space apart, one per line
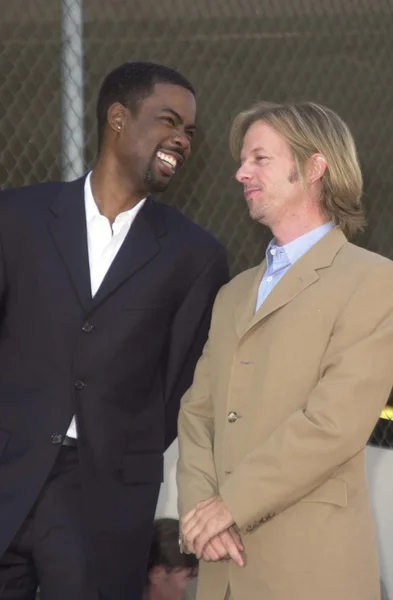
50 549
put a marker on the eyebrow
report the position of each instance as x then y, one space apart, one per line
178 117
259 149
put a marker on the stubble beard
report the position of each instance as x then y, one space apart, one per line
153 185
260 213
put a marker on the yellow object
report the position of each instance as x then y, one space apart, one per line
387 413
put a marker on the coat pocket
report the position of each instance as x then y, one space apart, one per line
333 491
143 468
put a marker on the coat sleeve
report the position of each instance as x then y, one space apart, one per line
189 332
196 474
356 376
3 284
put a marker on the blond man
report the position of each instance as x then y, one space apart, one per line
296 370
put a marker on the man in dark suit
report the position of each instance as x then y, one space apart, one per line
105 306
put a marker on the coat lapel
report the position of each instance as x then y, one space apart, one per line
245 309
68 228
139 247
298 278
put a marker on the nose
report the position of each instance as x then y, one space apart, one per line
182 141
242 174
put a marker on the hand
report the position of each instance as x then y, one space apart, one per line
204 522
225 546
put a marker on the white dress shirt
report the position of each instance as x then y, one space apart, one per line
103 243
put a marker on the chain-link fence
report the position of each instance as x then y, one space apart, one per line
54 53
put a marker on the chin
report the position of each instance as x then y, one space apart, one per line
155 184
158 186
254 215
258 217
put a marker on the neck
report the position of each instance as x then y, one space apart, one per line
294 226
112 191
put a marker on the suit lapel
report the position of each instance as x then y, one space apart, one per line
139 247
298 278
291 285
68 228
245 309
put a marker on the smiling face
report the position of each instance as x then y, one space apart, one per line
154 143
272 186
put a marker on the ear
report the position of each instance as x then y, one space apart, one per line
316 167
116 116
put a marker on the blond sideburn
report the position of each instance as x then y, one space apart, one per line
311 128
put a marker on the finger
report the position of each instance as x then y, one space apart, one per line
204 525
197 525
207 533
193 523
219 547
200 537
189 544
197 521
201 514
192 533
236 538
232 549
210 553
236 556
191 513
188 516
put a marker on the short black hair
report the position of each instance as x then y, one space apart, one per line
165 551
130 84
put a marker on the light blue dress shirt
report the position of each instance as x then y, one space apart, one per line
281 258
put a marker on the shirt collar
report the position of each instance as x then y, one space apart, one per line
93 212
298 247
90 205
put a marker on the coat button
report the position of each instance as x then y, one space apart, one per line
57 438
232 417
87 327
79 384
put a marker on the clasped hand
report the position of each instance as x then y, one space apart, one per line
207 531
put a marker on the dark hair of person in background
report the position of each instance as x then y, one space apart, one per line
130 84
169 571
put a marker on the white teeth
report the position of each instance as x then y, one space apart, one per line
167 158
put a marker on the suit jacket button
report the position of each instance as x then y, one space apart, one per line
87 327
57 438
232 417
79 384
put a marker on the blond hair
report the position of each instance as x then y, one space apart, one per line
311 128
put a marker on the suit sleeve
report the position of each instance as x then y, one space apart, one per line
196 474
3 284
188 336
356 376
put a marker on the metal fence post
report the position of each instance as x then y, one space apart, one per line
72 89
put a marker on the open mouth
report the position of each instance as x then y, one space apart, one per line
168 161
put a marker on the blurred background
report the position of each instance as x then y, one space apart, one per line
54 54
